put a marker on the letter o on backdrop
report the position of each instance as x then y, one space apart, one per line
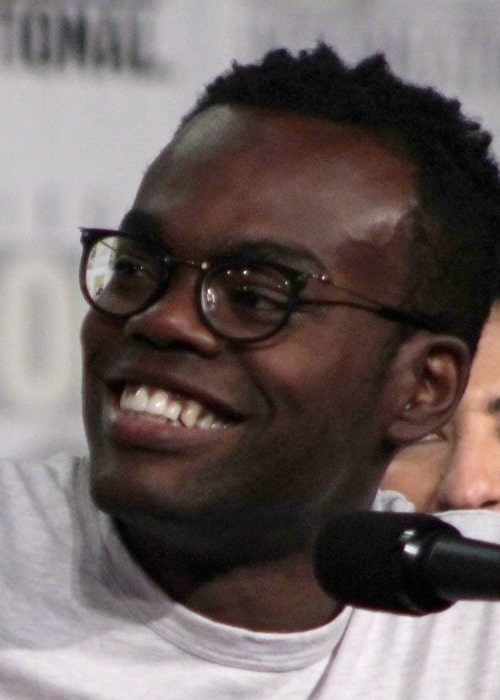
36 332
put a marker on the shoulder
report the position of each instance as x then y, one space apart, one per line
57 471
393 502
36 489
43 505
477 524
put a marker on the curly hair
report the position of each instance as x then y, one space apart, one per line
453 256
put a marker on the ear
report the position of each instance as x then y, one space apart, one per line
428 376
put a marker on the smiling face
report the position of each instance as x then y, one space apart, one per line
183 424
458 466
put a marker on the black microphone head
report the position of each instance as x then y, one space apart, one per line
362 560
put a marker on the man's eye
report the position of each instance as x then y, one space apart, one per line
259 291
436 436
259 298
128 276
127 266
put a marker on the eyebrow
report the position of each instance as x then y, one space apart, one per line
145 226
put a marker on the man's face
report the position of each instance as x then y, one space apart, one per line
459 465
282 424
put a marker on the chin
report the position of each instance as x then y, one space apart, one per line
198 523
152 485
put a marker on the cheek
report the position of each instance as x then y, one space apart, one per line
293 377
318 388
316 364
89 339
97 337
417 473
323 398
89 335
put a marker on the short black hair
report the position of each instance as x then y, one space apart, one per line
455 227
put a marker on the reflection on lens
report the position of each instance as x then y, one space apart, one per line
121 275
243 302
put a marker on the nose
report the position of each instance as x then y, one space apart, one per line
174 320
473 477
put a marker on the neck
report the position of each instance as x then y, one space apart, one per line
278 594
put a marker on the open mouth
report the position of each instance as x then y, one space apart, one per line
159 404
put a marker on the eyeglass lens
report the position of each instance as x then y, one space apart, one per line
246 302
121 275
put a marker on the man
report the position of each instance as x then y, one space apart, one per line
269 323
458 466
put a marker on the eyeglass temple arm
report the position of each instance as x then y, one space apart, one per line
431 323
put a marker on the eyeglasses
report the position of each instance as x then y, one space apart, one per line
240 300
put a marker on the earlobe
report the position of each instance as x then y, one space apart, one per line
433 373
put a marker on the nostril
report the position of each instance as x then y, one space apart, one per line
161 344
174 326
490 505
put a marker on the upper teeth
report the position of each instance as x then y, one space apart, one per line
157 402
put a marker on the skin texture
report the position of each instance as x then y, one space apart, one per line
225 519
458 466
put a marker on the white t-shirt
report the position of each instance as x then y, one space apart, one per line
79 619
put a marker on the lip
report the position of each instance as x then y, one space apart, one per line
146 372
144 432
147 432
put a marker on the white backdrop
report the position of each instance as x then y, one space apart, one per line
90 91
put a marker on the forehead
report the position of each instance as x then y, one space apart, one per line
306 182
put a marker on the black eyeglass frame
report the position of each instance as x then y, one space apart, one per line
297 281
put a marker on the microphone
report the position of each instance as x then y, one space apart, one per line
404 563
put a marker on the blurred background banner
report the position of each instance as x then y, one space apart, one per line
90 90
